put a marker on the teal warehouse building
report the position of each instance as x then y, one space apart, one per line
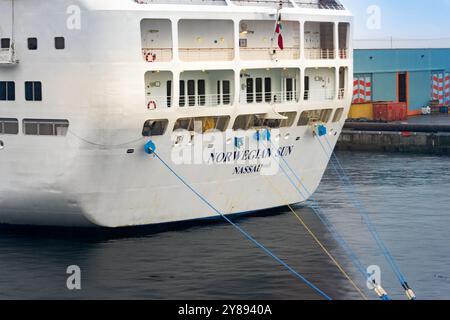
410 75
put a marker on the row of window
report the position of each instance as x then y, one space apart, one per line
32 43
242 122
33 91
35 127
195 91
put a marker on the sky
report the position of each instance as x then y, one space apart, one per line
405 19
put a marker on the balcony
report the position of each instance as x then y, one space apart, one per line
206 40
258 42
320 95
152 55
343 53
7 56
270 98
206 54
319 54
267 53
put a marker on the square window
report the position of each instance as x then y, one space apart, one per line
60 43
5 43
33 91
7 91
243 43
32 43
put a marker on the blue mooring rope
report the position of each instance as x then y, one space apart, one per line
319 212
366 218
242 231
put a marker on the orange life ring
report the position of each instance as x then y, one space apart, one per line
151 105
150 57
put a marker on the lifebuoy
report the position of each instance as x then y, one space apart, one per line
150 57
151 105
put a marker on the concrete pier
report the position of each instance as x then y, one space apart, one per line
422 134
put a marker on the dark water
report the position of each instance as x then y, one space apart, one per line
407 196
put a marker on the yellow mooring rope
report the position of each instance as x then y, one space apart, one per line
316 239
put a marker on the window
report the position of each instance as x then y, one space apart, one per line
191 92
202 124
182 93
33 91
226 92
7 91
278 123
338 115
249 90
60 43
259 90
5 43
223 92
289 89
312 116
32 43
219 83
40 127
9 126
201 91
247 121
154 127
169 93
268 89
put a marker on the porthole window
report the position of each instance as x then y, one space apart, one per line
60 43
32 44
5 43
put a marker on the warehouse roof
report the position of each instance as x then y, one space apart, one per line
397 43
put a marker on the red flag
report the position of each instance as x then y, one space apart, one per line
278 30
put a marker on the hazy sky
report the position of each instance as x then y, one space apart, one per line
411 19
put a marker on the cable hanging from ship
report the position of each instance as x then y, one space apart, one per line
346 182
377 288
150 148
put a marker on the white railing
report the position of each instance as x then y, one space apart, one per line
292 53
319 53
7 56
212 100
343 53
269 97
157 54
319 95
206 54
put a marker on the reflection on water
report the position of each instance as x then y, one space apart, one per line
407 197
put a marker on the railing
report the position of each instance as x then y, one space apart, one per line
7 56
319 53
158 102
206 54
319 95
292 53
157 54
212 100
269 97
343 53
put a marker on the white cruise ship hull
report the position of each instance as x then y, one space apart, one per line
98 175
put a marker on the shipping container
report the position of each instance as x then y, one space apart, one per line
390 111
361 111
